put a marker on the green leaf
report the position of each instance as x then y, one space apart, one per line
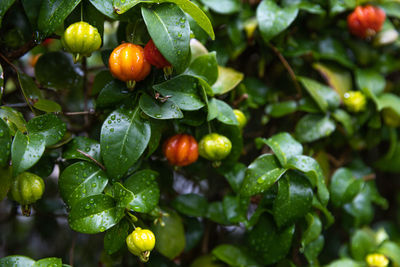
284 146
114 92
222 111
170 31
124 137
84 144
234 175
101 79
191 205
261 175
344 187
204 67
16 260
49 126
53 262
228 79
345 262
57 70
144 186
224 6
264 238
273 19
388 100
323 95
114 238
362 243
173 227
122 195
391 250
80 180
94 214
338 78
47 106
371 82
105 7
121 6
26 150
235 208
293 200
313 127
311 168
216 213
313 230
5 143
159 110
313 249
4 6
13 118
29 89
52 14
277 110
183 91
234 256
345 119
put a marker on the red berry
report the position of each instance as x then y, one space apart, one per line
181 150
366 21
154 57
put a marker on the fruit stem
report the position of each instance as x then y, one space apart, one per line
26 210
131 84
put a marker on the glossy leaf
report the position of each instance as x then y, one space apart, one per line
84 144
49 126
261 175
167 246
371 82
272 19
234 175
224 6
313 127
145 189
191 204
29 88
13 118
284 146
170 32
234 256
264 238
159 110
345 119
56 70
52 14
313 171
313 230
293 200
26 150
391 250
344 186
222 111
323 95
113 92
124 137
362 243
5 181
94 214
114 238
277 110
5 143
182 90
204 67
80 180
47 106
16 260
122 195
339 79
228 79
46 262
105 7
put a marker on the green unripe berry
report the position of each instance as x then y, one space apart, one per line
140 242
27 188
215 147
81 39
355 101
241 118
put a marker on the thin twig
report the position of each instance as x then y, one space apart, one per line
85 90
288 68
16 105
369 177
77 113
94 160
71 251
9 62
240 99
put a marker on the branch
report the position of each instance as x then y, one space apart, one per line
288 68
93 159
